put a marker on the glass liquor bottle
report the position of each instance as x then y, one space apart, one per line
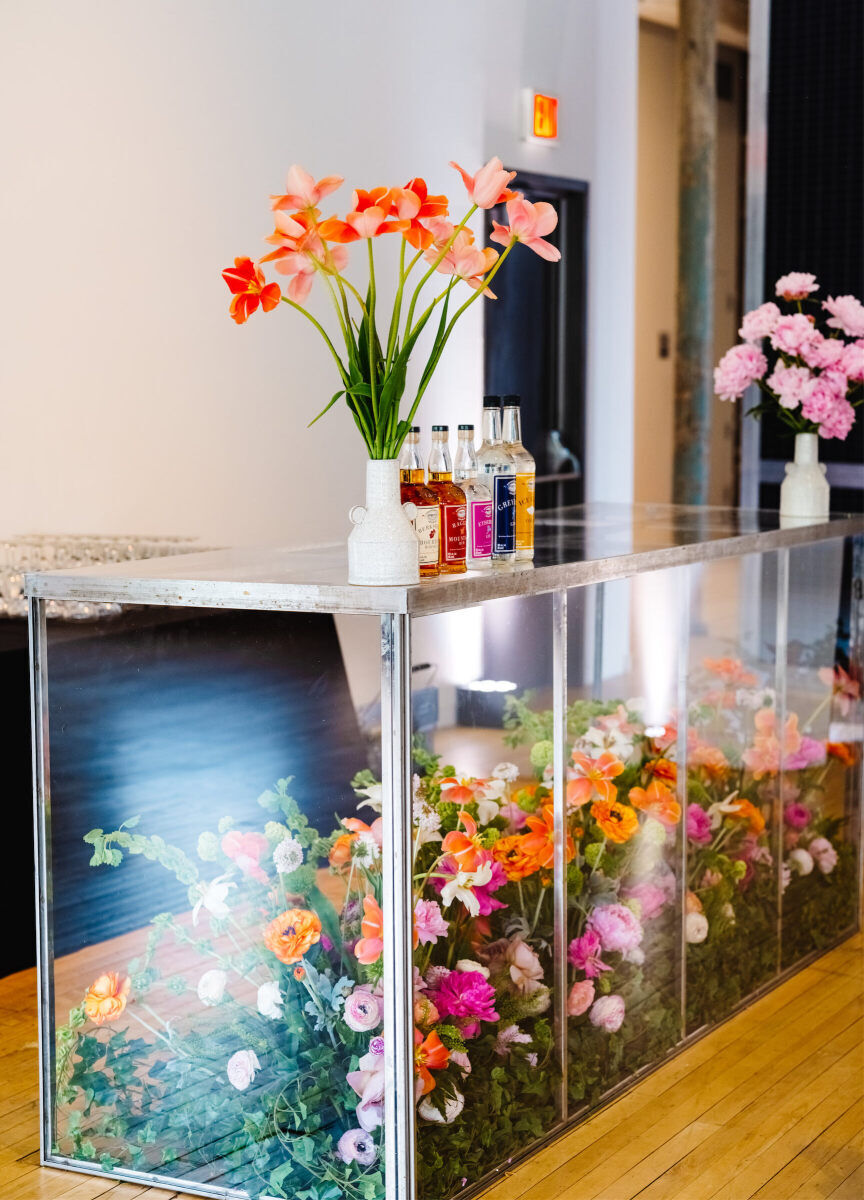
478 554
453 504
427 519
526 475
497 469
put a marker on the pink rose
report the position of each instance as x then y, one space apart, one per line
362 1010
847 313
617 927
796 285
760 322
581 998
737 369
607 1013
792 334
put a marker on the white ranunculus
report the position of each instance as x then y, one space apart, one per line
468 964
452 1108
241 1068
800 862
696 925
211 986
270 1000
507 771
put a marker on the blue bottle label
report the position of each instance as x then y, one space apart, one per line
504 500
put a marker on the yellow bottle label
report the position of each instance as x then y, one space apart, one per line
525 511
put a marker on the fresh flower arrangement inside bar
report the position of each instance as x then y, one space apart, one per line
449 523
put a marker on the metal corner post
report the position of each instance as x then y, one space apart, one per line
398 896
683 718
559 798
781 658
856 664
39 750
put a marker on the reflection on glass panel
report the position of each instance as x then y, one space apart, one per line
821 784
623 936
486 1057
733 758
216 981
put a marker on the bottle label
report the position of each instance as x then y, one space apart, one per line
481 528
453 531
504 500
426 528
525 511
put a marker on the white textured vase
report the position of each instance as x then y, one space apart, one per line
805 494
383 547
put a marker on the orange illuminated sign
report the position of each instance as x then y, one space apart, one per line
545 116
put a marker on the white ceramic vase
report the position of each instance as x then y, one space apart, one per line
804 493
383 547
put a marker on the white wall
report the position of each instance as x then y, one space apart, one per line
140 143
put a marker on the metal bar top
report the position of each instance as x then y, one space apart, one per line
586 544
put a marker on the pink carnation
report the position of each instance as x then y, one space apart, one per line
760 322
698 825
737 369
852 363
584 954
796 285
581 998
792 334
847 313
467 997
792 384
429 924
617 927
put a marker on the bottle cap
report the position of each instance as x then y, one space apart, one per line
440 428
511 400
470 428
414 429
491 401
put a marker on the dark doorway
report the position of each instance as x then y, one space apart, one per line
535 341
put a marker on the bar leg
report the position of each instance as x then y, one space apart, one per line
683 590
559 799
780 664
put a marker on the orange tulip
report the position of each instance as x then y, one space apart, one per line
373 213
465 260
488 186
528 223
303 192
249 290
371 945
106 998
617 821
656 801
292 933
593 775
539 843
430 1054
417 234
464 847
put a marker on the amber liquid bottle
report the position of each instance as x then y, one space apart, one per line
454 506
427 519
526 474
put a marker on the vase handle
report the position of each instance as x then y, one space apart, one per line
357 514
409 509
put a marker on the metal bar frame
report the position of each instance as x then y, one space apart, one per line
781 662
559 856
38 646
683 615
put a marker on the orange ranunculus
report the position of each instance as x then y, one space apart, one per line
341 850
430 1054
464 847
842 751
692 903
617 821
106 998
663 769
656 801
711 758
292 933
417 234
593 775
371 945
510 852
249 290
745 811
539 843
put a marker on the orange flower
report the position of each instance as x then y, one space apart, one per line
710 758
106 998
430 1054
663 769
745 811
539 843
731 671
249 290
842 751
656 801
464 846
593 775
510 852
341 850
417 234
373 213
456 791
371 945
302 190
618 822
292 933
299 973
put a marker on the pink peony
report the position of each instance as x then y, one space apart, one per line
797 816
737 369
649 896
429 924
847 313
698 825
796 285
362 1010
469 998
617 927
852 362
792 384
584 954
823 352
581 998
760 322
607 1013
838 422
792 334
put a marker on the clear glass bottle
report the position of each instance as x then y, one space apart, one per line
478 554
526 476
427 519
453 504
497 469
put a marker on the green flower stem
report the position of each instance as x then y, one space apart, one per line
434 267
370 335
342 372
540 899
397 308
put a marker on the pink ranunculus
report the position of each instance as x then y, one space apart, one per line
650 897
529 223
245 849
467 997
847 314
792 384
737 369
488 186
429 924
698 825
581 998
823 352
584 954
760 322
357 1146
797 285
362 1011
852 362
796 816
607 1013
823 854
617 927
368 1082
241 1069
791 334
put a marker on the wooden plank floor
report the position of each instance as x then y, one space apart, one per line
769 1106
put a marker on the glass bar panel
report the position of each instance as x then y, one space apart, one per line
215 959
821 787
